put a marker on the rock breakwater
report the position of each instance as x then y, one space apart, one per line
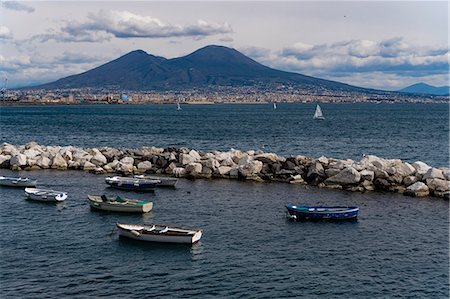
371 173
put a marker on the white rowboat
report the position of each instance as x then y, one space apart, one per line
17 182
117 204
159 233
45 195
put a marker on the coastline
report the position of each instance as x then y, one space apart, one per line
371 173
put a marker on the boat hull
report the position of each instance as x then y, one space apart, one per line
322 213
163 181
121 207
17 182
45 195
137 234
132 187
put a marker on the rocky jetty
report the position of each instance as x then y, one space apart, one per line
369 174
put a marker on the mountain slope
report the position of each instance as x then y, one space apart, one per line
426 89
206 67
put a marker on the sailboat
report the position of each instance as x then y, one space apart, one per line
274 106
178 106
318 114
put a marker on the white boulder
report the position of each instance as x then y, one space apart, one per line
348 175
417 189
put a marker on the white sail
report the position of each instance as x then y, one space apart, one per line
318 114
274 106
178 106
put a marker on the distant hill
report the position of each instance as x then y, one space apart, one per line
426 89
208 66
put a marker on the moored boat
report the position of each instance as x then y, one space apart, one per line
132 184
17 182
118 204
163 181
320 212
159 233
46 195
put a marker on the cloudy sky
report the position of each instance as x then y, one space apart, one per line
385 45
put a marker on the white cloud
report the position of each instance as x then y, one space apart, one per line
107 24
5 33
25 69
359 59
15 5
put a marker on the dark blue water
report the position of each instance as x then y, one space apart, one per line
398 247
407 131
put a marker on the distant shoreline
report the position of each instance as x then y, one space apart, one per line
19 104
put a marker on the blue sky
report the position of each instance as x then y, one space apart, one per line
385 45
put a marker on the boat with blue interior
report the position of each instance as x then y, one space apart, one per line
322 212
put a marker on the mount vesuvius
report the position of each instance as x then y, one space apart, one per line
207 67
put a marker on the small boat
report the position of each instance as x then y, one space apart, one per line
274 106
178 106
163 181
45 195
17 182
159 233
118 204
133 184
318 114
320 212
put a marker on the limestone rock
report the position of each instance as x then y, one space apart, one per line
368 185
9 149
211 163
348 175
66 154
266 158
179 172
146 165
127 160
417 189
125 168
367 175
31 153
438 184
4 161
186 159
332 172
245 159
58 162
108 169
421 168
228 162
446 173
44 162
251 168
193 169
98 159
323 160
409 180
223 170
433 173
169 169
405 169
18 160
89 166
316 170
234 173
297 179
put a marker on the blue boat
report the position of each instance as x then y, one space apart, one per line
131 184
320 213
